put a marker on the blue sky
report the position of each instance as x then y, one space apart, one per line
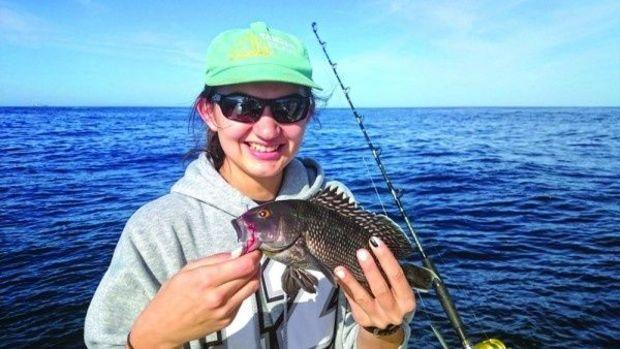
391 53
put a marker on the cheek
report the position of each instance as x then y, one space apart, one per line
294 133
232 133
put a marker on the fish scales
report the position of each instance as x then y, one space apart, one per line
334 239
323 232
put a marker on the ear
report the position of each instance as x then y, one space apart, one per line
206 110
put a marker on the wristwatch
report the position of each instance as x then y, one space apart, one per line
390 329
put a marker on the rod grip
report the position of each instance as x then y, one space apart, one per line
448 305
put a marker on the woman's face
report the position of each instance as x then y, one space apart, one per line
259 150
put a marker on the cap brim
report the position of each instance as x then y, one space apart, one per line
258 73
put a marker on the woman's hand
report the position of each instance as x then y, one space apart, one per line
388 303
201 298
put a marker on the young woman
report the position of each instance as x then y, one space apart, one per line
171 284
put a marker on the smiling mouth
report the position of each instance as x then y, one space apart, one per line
263 148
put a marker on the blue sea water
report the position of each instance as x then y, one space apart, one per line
518 207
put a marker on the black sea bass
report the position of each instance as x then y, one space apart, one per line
322 233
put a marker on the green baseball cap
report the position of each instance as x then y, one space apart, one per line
258 54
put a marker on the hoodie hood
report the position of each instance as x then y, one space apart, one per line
302 178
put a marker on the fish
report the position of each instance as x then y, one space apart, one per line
322 233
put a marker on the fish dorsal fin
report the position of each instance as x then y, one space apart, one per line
336 200
376 224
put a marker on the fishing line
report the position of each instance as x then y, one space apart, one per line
423 304
462 290
438 335
374 186
442 292
435 252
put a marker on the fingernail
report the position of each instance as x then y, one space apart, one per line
375 241
362 255
339 272
236 252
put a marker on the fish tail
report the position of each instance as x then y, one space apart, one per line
419 278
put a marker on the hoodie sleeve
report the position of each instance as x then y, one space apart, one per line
347 336
136 272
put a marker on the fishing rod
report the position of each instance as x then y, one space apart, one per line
440 288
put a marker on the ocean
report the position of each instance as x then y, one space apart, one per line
518 207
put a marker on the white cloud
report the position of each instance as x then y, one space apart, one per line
474 52
181 50
21 27
496 27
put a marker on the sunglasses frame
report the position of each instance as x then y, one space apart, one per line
306 103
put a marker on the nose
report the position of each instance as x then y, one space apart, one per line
267 127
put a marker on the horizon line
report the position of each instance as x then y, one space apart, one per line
344 107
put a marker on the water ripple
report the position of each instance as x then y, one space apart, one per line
517 206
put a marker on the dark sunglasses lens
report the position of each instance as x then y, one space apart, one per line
290 109
241 108
286 110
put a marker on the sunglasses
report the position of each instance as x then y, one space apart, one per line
248 109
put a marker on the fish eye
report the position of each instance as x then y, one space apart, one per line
264 213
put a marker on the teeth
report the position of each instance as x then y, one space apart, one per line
262 149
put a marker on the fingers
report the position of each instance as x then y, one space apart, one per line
230 288
360 301
244 292
390 297
401 289
231 269
227 310
366 310
361 317
226 295
209 260
379 287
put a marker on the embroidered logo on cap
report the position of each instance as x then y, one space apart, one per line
248 46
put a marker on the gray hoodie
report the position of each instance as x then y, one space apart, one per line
192 222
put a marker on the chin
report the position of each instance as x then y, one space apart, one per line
267 169
266 172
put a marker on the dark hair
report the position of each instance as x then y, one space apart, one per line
211 145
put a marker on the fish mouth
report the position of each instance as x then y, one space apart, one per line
246 235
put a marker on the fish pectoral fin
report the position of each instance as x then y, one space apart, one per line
289 284
419 278
293 279
307 281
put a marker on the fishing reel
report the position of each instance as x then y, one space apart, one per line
490 344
